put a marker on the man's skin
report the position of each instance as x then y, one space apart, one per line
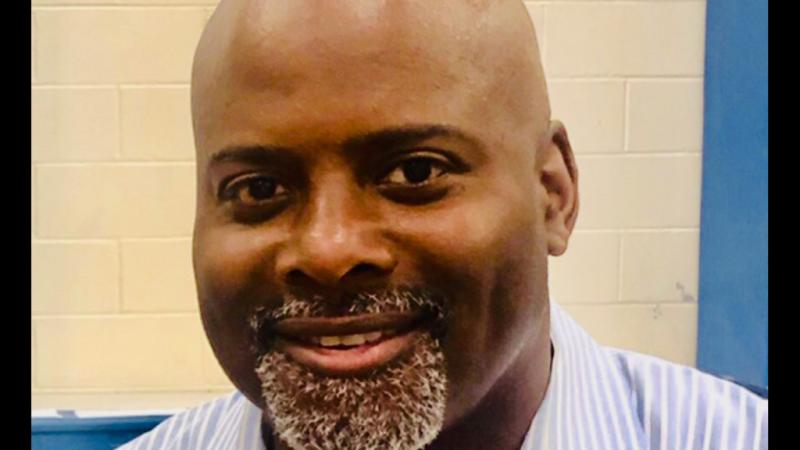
315 105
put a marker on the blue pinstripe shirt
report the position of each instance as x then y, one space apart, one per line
598 398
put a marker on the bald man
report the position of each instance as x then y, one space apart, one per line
379 187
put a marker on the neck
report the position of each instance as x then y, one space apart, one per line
502 419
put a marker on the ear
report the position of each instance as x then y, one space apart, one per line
559 177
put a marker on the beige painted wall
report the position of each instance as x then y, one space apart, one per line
114 318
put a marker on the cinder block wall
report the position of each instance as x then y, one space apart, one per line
114 317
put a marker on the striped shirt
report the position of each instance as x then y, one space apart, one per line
598 398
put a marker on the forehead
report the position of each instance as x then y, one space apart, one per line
285 74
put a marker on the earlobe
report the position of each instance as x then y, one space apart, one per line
559 176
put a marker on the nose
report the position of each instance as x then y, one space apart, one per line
335 244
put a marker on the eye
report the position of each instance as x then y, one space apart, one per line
415 171
253 190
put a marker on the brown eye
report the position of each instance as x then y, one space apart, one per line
262 188
415 171
254 190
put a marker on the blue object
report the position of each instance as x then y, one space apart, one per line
733 293
758 390
73 433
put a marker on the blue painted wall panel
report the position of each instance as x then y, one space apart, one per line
89 433
732 329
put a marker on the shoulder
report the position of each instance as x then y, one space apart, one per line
682 407
219 423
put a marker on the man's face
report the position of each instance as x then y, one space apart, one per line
377 160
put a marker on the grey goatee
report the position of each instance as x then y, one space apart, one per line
399 406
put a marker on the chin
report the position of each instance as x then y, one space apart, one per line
398 406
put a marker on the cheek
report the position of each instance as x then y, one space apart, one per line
233 278
470 239
229 264
469 249
490 260
498 254
231 281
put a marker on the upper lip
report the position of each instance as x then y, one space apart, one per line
338 326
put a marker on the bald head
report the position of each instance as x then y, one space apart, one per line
366 51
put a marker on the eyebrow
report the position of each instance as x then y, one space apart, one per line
389 138
405 136
254 154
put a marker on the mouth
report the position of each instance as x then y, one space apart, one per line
351 345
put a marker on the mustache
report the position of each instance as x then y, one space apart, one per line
430 303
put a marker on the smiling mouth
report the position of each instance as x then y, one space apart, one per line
351 345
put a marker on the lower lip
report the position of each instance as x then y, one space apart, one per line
351 361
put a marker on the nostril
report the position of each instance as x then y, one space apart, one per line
323 277
297 277
363 269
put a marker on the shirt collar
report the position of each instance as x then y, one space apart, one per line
588 403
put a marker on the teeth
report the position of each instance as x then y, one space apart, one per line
353 339
350 339
374 336
330 341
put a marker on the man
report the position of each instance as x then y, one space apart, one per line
379 188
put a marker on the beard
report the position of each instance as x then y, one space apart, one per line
399 406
